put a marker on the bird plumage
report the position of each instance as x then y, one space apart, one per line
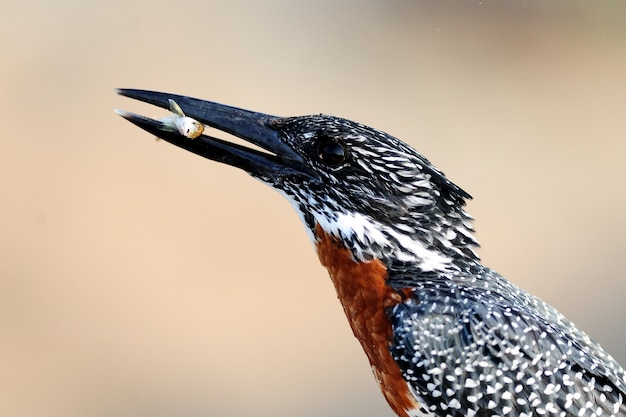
473 343
445 335
384 200
467 341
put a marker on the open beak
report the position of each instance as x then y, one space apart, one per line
279 161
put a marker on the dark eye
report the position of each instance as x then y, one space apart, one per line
331 152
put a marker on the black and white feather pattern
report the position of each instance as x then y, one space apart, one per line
467 341
473 344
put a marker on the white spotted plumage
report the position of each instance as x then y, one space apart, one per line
464 341
483 343
467 341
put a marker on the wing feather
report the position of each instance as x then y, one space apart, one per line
492 349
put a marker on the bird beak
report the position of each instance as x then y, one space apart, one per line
279 161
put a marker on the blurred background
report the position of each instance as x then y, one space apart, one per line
140 280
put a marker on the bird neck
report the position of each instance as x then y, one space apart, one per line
446 251
366 297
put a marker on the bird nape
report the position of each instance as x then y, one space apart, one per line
445 335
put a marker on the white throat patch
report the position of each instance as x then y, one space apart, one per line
366 233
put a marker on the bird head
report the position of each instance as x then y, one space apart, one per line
371 192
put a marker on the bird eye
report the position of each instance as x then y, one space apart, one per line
331 152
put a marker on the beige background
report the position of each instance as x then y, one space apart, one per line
139 280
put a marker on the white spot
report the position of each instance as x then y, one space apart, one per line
470 383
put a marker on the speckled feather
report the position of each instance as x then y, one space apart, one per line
466 340
474 344
445 335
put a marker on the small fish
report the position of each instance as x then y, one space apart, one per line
184 125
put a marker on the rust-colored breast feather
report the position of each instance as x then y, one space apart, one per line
363 291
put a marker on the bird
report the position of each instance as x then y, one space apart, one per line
444 334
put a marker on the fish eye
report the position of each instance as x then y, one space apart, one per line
331 152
